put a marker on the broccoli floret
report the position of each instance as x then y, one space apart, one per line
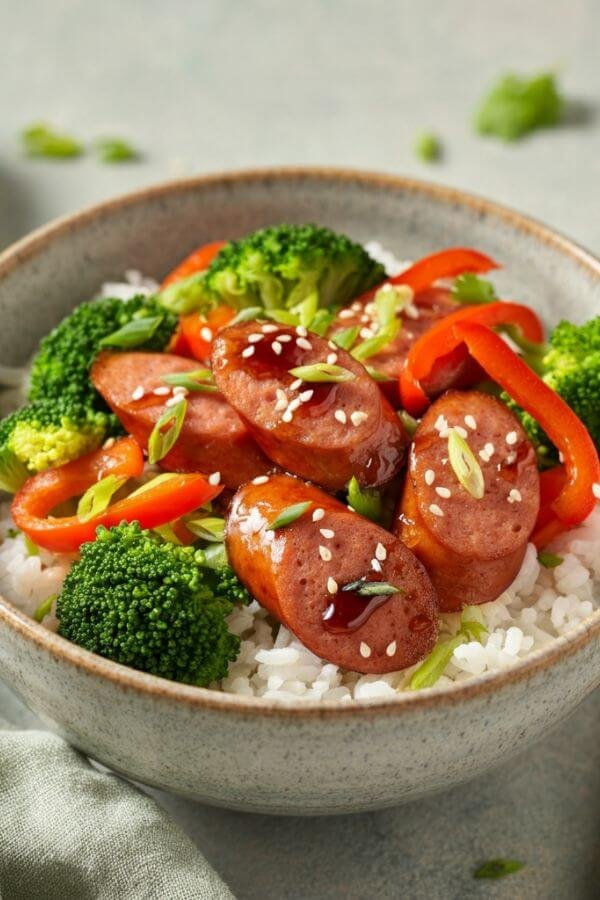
281 267
44 434
61 367
571 367
148 604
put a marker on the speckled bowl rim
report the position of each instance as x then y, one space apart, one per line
127 679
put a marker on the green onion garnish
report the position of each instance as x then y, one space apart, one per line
116 150
44 608
154 482
549 560
195 380
346 337
409 423
187 295
166 431
434 665
376 375
322 372
135 333
321 322
97 498
167 533
306 310
289 515
41 140
31 547
283 316
365 588
389 300
498 868
365 501
374 345
248 315
209 528
465 465
469 288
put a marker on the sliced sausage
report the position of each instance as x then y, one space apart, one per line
471 548
213 438
325 432
428 308
298 573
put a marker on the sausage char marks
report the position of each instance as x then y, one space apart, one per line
472 548
298 573
326 432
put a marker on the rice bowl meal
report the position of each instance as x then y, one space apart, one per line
301 469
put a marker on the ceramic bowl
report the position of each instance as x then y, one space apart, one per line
250 754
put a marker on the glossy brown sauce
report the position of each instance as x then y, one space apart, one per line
347 611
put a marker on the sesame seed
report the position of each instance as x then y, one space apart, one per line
470 422
318 514
356 306
561 457
327 533
247 352
365 650
324 553
173 401
206 334
332 345
332 358
444 460
294 404
138 393
391 649
255 338
303 343
284 338
287 416
269 329
305 396
161 391
215 478
514 496
429 476
511 437
460 430
345 314
596 490
296 383
441 423
484 456
108 443
260 479
276 348
358 417
332 585
489 449
340 415
301 331
281 400
328 612
380 552
435 509
411 311
443 492
366 333
511 458
180 391
376 565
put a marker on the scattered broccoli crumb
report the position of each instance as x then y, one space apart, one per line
116 150
498 868
42 141
515 106
469 288
428 147
549 560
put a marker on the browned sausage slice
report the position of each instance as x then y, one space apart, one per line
298 574
324 432
213 437
471 548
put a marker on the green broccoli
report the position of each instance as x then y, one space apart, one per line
149 604
280 267
571 367
44 434
61 367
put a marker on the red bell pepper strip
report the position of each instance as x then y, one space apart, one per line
197 261
435 343
157 505
547 526
445 264
575 500
195 329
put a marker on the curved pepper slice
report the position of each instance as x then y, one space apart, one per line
197 261
436 343
157 505
197 341
445 264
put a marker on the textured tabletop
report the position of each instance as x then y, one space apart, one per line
218 84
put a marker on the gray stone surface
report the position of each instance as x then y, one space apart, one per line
229 84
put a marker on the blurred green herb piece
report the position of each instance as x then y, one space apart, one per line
516 106
116 150
549 560
41 140
498 868
428 147
469 288
433 666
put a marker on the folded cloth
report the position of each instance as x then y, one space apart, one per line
68 831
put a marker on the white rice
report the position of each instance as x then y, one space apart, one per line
540 606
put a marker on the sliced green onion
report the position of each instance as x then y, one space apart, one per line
321 322
167 533
116 150
166 431
135 333
154 482
433 666
549 560
465 465
289 515
389 300
307 309
31 547
209 528
409 423
469 288
365 501
346 337
365 588
45 608
248 315
97 498
196 380
375 345
42 141
283 316
378 376
498 868
322 372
